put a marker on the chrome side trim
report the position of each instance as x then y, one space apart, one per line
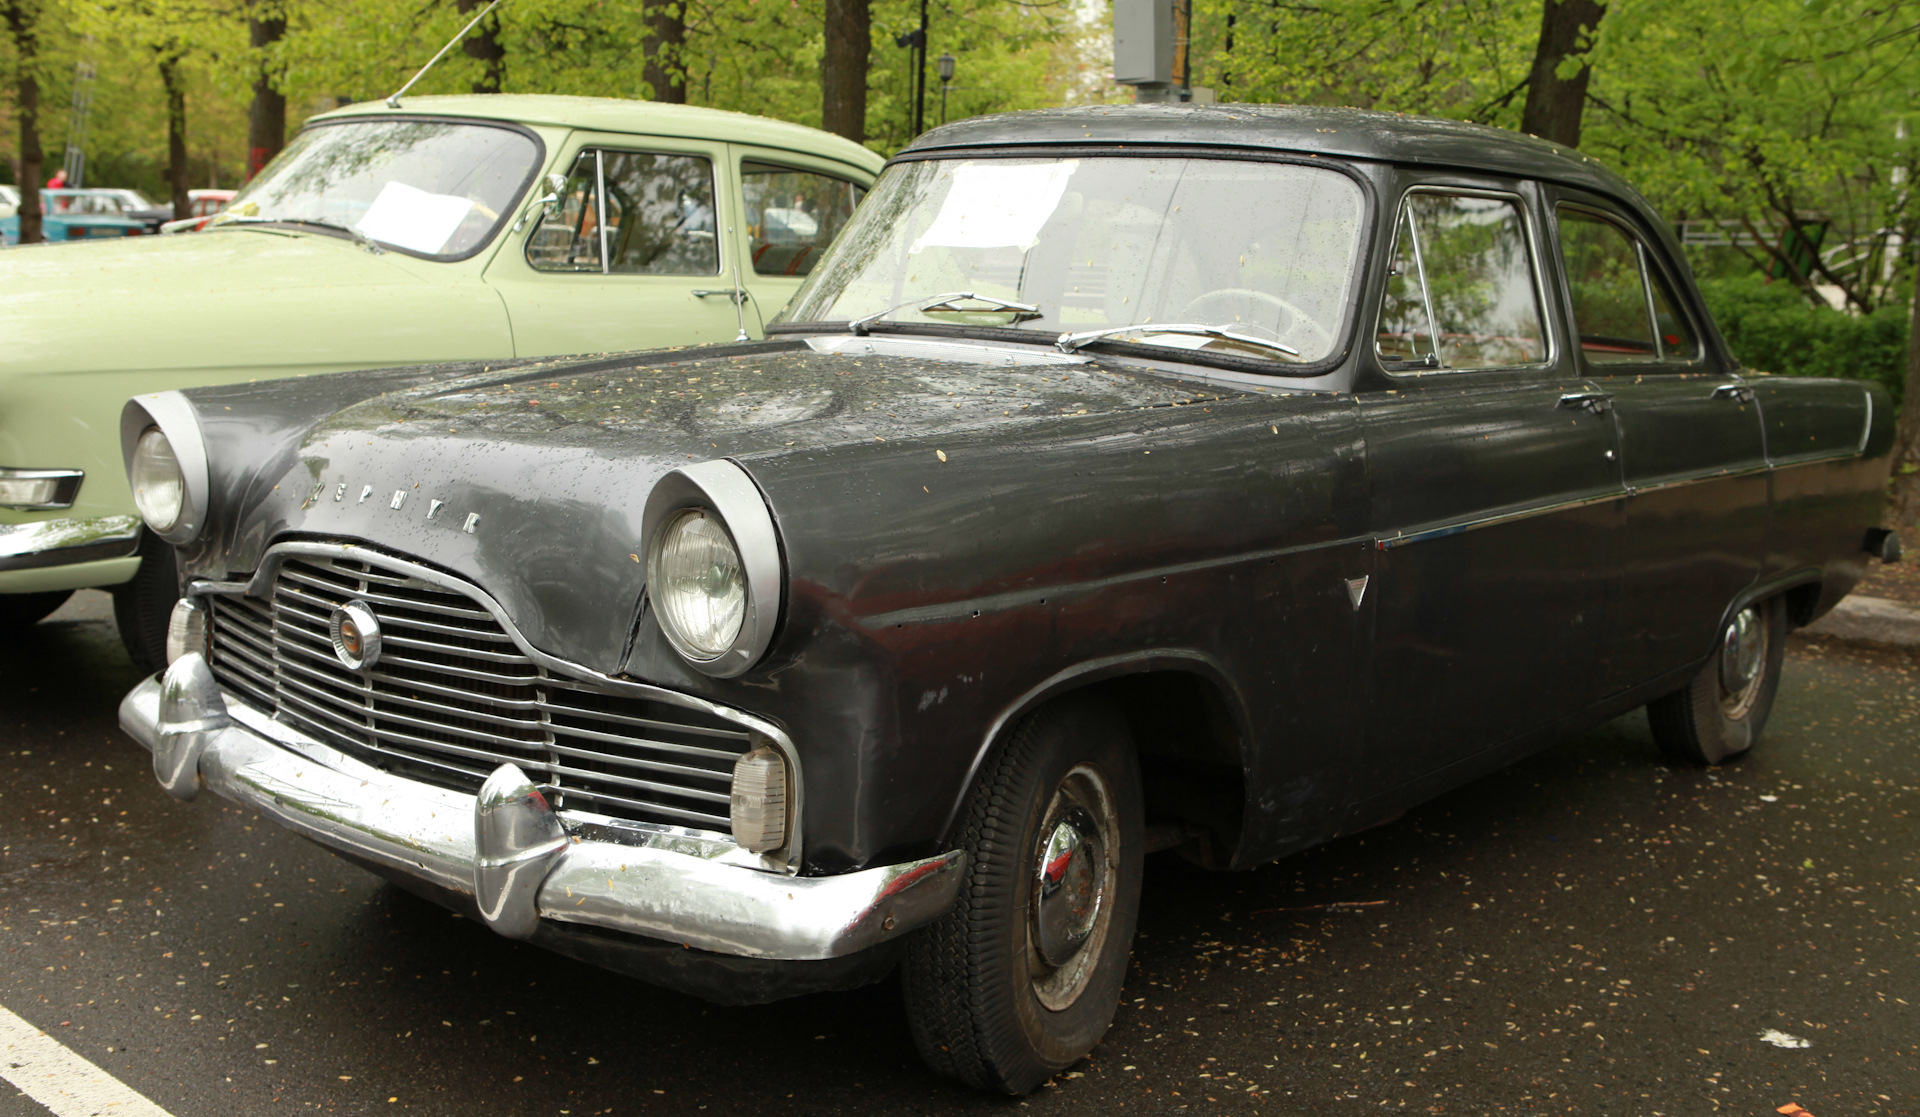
1475 523
260 585
501 850
1695 479
66 541
1866 424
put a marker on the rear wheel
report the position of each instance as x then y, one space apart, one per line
1022 977
142 605
18 610
1719 715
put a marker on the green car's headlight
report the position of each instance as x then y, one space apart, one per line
159 486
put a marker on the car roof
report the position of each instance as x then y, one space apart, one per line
1307 129
608 114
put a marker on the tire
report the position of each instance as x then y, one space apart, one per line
1719 715
22 610
142 605
1019 981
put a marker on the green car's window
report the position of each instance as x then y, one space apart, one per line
1623 307
1460 292
793 215
631 213
437 189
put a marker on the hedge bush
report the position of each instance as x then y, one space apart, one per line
1772 328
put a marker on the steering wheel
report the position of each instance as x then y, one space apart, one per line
1296 323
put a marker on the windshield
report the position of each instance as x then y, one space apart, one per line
433 188
1265 252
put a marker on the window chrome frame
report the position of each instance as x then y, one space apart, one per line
1649 263
599 151
1527 230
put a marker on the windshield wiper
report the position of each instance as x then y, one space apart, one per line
359 237
928 304
1067 343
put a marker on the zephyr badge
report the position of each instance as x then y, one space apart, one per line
355 633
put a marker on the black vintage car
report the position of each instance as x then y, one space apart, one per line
1225 478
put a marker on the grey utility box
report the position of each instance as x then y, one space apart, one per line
1143 42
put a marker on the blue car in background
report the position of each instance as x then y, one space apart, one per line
78 215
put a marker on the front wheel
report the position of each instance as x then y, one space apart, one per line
1022 977
1719 715
143 604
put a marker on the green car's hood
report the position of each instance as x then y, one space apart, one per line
268 301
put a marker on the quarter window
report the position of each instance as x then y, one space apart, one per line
793 215
631 213
1623 307
1461 292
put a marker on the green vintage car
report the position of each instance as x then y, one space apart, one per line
448 228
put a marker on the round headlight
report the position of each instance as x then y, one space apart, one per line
159 486
698 584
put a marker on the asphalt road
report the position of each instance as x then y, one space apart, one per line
1589 932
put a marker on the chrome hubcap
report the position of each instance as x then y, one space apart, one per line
1069 891
1743 656
1075 867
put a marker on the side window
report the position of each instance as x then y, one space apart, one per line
1623 307
631 213
793 215
1461 292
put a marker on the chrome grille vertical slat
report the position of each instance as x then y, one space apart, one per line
452 697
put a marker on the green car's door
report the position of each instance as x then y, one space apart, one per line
633 254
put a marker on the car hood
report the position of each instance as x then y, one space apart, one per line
532 483
160 302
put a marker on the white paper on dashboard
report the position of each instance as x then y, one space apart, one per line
990 206
409 218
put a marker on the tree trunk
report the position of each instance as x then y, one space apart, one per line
665 47
1904 507
1554 104
23 26
843 69
267 118
484 46
175 85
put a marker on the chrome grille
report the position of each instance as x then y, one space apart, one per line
452 697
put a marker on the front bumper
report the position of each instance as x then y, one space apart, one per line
521 861
66 541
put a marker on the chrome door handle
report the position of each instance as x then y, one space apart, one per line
732 295
1597 402
1741 392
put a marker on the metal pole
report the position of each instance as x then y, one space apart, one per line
920 75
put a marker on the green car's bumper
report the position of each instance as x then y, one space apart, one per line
68 553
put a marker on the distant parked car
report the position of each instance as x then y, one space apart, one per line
452 228
204 203
78 215
9 200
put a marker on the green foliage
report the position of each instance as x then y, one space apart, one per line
756 56
1770 327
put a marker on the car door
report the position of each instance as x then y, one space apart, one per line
1495 494
792 208
632 255
1692 452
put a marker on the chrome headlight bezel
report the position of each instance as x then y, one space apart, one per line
176 419
725 492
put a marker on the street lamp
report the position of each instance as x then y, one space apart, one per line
945 63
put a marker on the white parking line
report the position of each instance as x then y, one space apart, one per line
60 1080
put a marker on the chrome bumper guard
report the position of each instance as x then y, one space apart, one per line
509 849
62 542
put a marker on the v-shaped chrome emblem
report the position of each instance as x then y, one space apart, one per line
1357 590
